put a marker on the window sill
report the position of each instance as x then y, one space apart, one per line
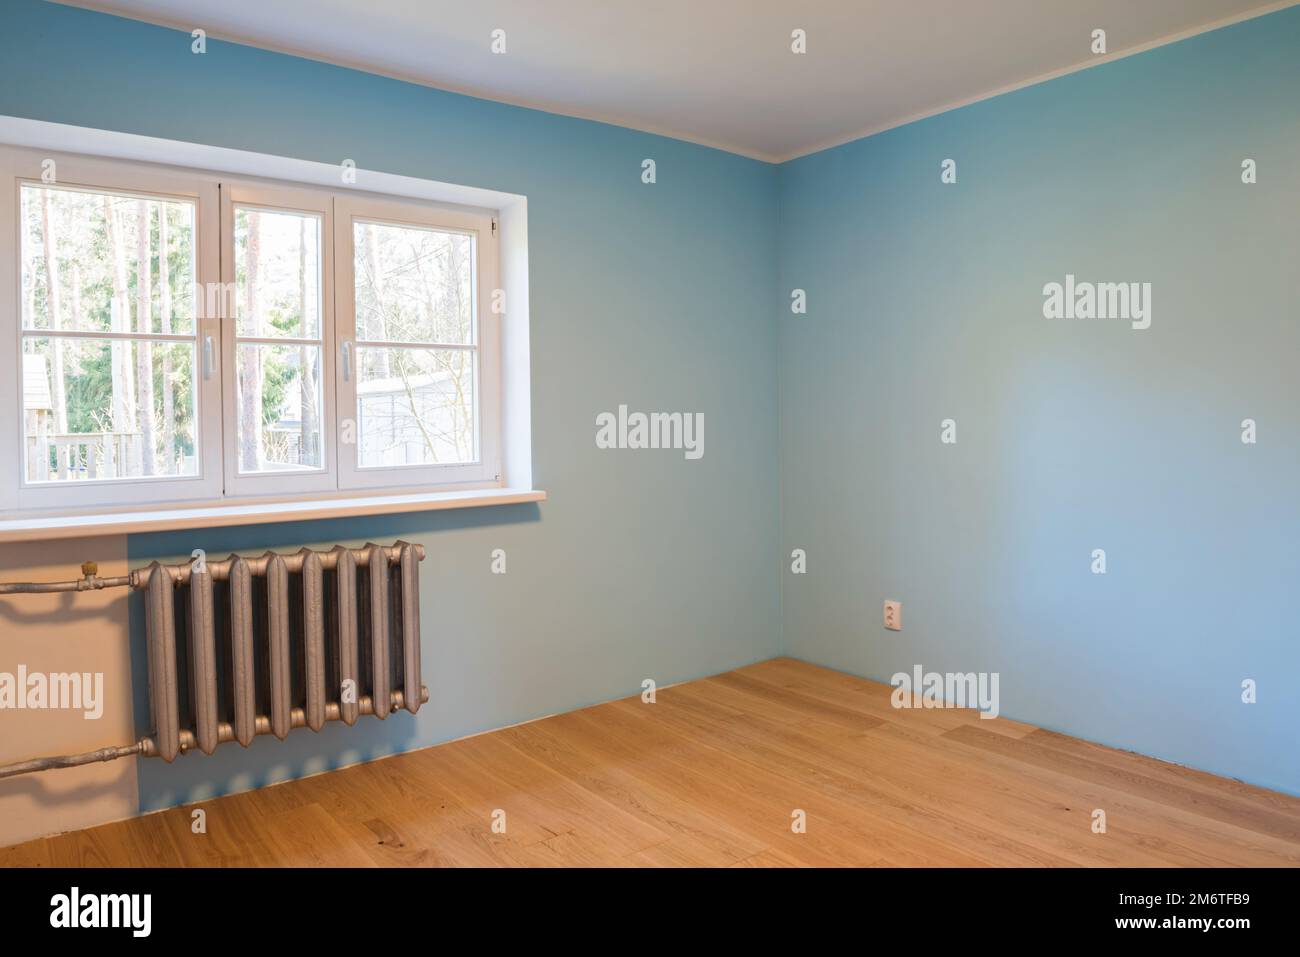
44 527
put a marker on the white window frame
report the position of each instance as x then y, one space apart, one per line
218 479
485 336
290 200
18 167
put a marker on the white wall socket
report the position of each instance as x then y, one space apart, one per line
894 615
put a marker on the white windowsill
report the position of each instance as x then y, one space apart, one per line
43 527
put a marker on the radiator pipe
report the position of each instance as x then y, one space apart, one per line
180 574
148 748
89 582
71 760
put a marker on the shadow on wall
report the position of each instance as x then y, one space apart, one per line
44 791
69 609
267 760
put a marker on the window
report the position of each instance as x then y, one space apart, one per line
186 336
277 355
420 366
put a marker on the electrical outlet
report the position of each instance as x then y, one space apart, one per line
894 615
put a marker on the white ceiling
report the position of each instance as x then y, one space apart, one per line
713 71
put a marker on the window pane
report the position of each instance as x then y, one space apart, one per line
415 406
277 273
100 409
413 284
279 403
104 262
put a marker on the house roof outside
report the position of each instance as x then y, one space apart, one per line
36 384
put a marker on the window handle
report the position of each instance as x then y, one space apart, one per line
207 357
347 360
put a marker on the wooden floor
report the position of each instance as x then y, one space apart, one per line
711 774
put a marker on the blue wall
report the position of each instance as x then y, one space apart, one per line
640 564
925 303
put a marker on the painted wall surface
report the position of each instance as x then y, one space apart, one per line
641 564
83 634
925 303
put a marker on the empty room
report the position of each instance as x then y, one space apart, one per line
701 434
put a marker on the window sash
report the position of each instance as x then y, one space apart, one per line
318 204
17 491
483 345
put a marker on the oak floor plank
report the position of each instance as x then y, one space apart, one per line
771 858
843 833
703 838
852 768
712 774
1174 773
867 697
1224 806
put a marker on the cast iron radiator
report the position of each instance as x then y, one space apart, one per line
248 646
